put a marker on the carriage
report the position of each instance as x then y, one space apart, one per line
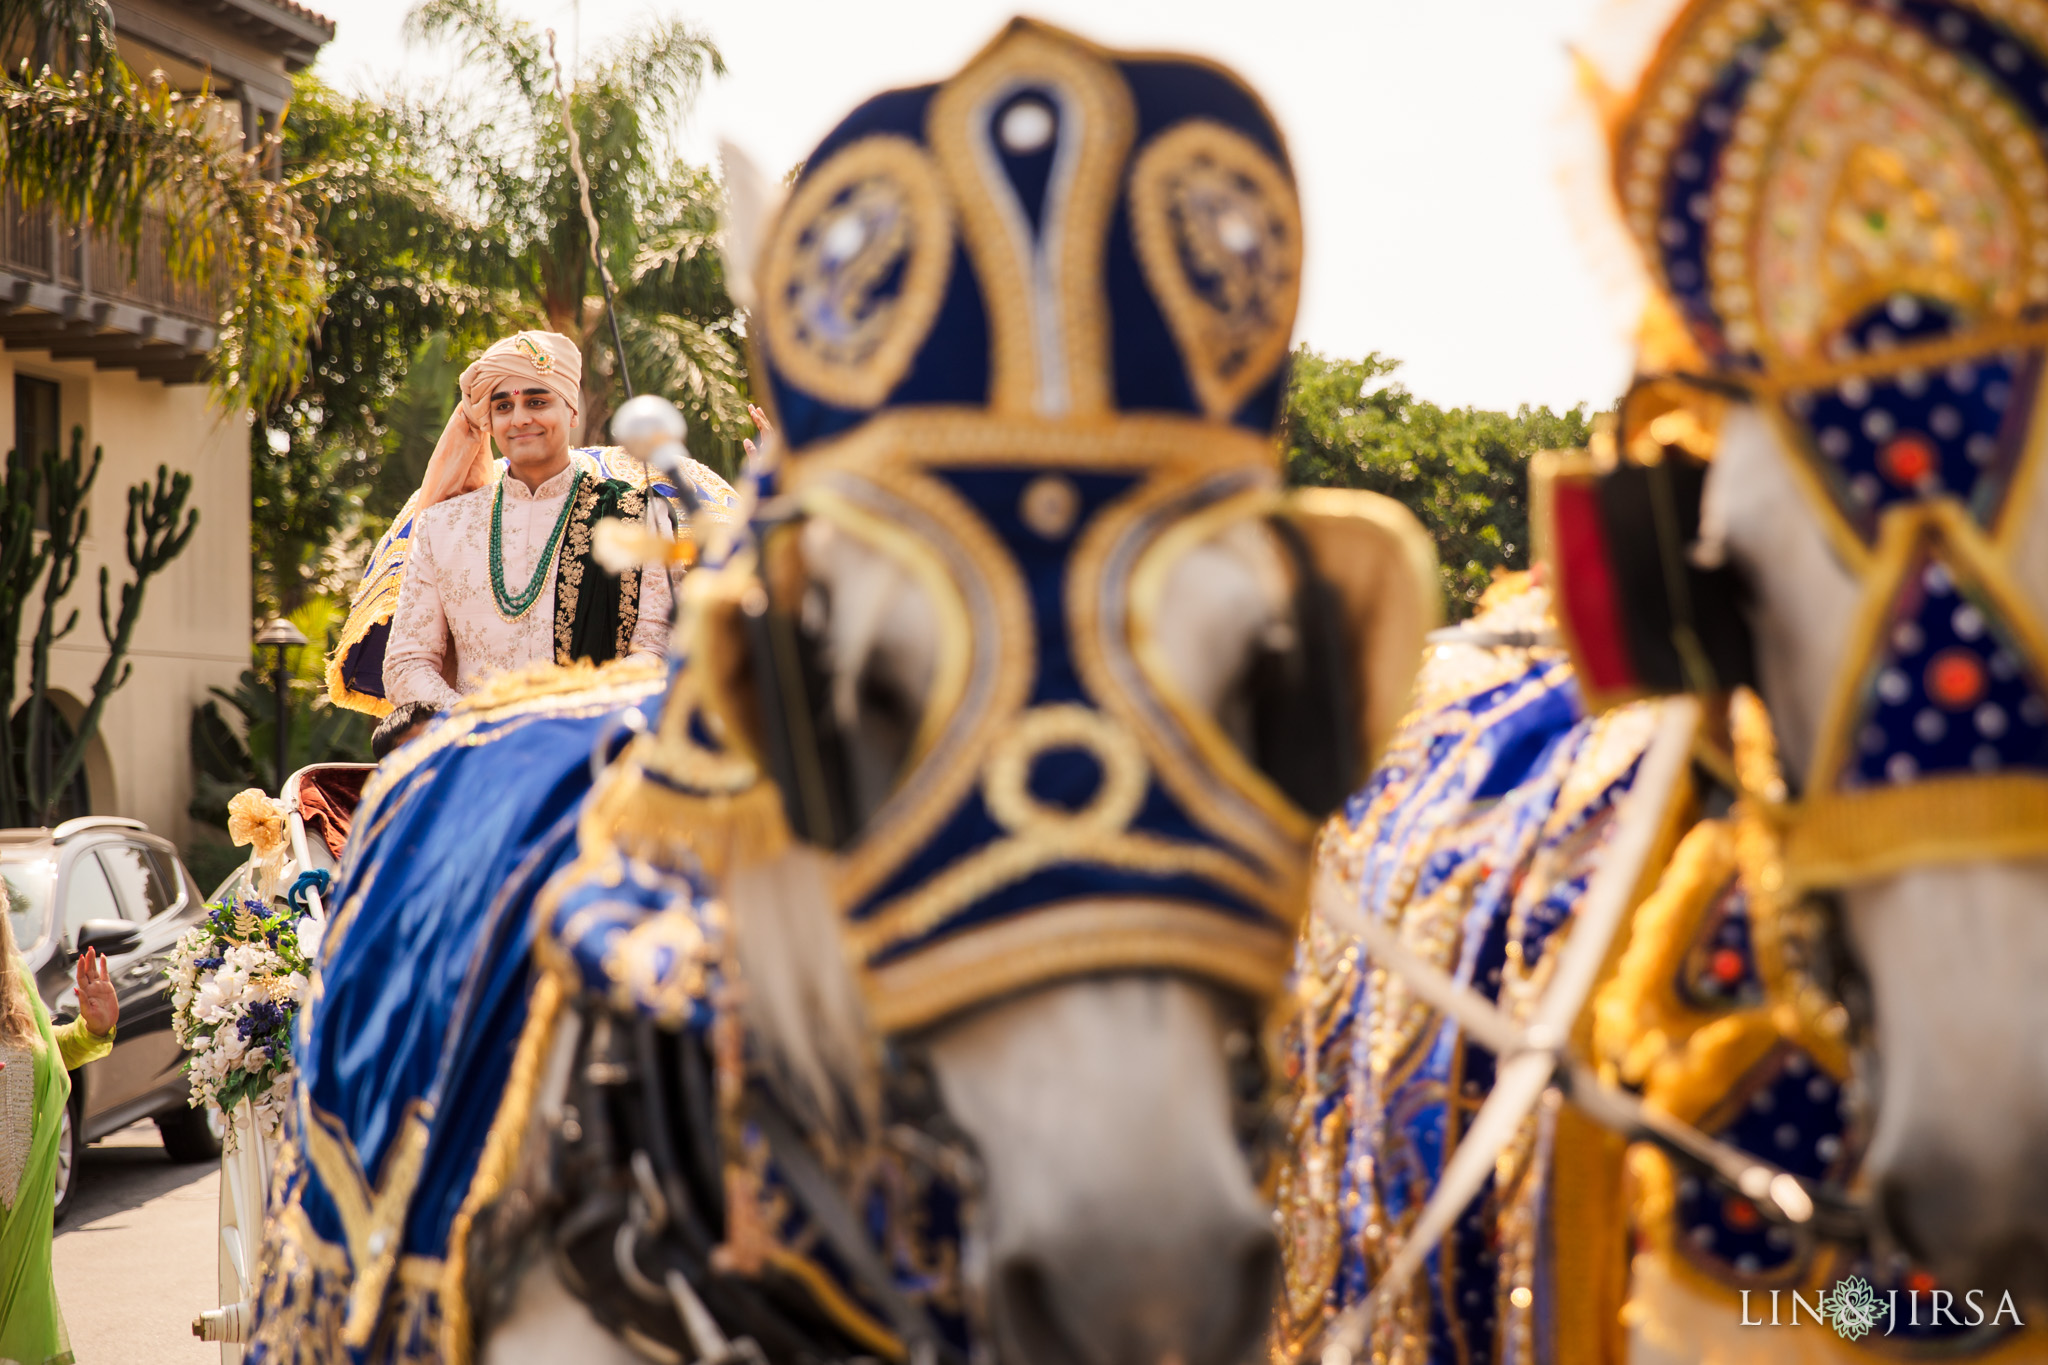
291 865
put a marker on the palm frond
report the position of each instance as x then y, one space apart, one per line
698 367
680 271
488 36
108 151
63 35
662 69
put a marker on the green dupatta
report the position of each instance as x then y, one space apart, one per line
31 1327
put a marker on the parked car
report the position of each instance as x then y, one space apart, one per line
108 883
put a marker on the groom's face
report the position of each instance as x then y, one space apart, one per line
531 426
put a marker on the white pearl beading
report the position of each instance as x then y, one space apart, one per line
1815 30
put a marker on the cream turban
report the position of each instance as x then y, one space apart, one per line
528 360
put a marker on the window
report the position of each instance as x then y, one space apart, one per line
145 893
76 799
38 424
175 880
25 884
87 896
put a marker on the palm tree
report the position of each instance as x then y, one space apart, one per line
503 137
404 264
107 149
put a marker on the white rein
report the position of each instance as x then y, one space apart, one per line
1533 1056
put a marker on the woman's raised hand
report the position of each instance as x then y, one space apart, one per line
97 1003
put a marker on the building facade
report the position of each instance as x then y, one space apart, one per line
86 342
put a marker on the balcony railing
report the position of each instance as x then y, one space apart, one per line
80 295
26 240
38 244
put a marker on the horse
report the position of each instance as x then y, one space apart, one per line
1109 1111
881 977
1820 487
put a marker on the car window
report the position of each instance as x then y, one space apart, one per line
175 880
179 878
87 896
25 885
135 874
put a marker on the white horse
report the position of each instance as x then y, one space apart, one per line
1123 1227
1954 954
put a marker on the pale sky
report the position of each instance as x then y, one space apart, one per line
1429 136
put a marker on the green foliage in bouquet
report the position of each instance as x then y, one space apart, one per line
236 984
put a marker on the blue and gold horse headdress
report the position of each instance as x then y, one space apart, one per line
1025 334
1843 207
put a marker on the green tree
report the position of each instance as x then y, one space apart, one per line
235 748
412 424
501 134
1463 471
403 264
112 151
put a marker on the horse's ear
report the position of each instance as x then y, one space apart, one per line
1373 572
1640 615
751 202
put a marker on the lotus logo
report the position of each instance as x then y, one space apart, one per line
1854 1308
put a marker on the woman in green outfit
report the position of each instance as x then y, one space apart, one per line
35 1085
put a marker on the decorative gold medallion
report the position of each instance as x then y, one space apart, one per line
856 271
530 348
1218 231
1050 506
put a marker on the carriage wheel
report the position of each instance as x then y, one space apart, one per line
244 1180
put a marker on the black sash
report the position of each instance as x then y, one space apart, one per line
595 611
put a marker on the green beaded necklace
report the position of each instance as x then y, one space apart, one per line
511 608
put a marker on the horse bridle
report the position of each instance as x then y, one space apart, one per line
628 1199
629 1179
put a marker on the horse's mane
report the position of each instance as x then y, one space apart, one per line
800 999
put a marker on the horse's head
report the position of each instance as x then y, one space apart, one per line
1948 937
1845 212
1051 679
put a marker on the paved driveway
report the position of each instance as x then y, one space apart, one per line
136 1260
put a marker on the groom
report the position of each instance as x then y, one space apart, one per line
500 572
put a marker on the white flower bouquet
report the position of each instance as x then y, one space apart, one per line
236 984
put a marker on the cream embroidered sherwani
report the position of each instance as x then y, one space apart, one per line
447 623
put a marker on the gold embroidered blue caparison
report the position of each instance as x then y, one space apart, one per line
1844 206
1476 838
1026 333
411 1031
